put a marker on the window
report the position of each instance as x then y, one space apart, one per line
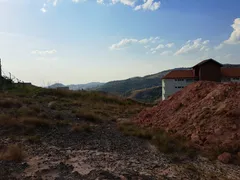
179 87
189 80
179 79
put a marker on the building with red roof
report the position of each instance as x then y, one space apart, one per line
207 70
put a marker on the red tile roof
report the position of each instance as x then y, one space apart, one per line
179 74
230 72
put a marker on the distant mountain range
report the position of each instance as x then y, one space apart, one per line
76 87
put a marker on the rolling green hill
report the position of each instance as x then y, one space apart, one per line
148 95
125 87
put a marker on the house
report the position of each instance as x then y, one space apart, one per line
207 70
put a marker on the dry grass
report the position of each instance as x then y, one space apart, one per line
34 121
162 140
130 129
89 116
7 120
9 103
13 153
26 111
33 139
81 128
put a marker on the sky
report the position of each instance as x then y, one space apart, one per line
81 41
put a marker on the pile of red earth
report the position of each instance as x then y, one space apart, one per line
206 113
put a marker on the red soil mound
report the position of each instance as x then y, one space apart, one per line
207 113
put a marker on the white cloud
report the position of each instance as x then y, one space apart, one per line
206 42
162 46
43 10
55 2
235 36
123 44
220 46
148 5
100 1
46 52
193 46
165 53
169 45
125 2
128 42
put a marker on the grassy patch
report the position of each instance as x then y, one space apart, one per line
13 153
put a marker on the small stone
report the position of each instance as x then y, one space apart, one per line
195 138
225 157
218 131
238 154
52 104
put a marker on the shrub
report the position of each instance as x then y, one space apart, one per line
13 153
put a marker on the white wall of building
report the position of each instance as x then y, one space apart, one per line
230 80
171 86
235 80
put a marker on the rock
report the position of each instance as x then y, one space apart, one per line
123 177
195 138
52 104
218 131
225 157
238 154
211 139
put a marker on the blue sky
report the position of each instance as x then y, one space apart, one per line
77 41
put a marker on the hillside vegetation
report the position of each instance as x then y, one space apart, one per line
147 95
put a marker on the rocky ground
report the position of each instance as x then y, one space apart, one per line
104 153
